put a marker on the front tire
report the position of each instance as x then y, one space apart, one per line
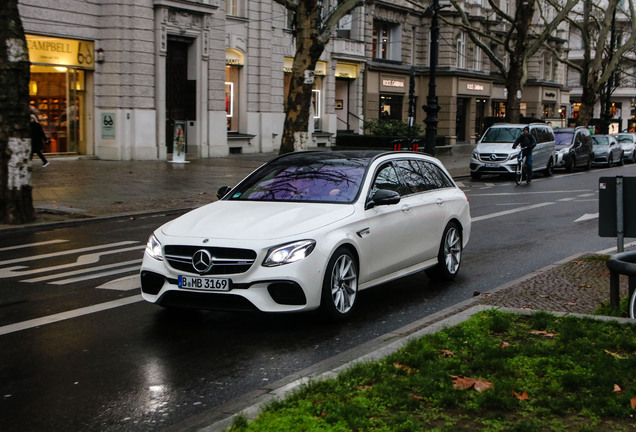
549 169
340 286
449 257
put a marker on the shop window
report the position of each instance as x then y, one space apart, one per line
57 97
231 99
386 44
391 107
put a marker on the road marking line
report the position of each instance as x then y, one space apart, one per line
32 245
12 328
82 271
587 216
66 252
126 283
80 261
507 212
96 275
527 193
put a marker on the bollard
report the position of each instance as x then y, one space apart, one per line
621 263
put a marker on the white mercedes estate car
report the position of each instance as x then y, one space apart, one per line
310 230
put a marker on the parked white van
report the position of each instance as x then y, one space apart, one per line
494 153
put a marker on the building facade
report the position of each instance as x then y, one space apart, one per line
187 79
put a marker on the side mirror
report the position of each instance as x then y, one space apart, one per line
383 197
223 190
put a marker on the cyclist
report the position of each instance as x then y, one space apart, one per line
527 142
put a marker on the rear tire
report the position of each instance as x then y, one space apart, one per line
449 257
340 286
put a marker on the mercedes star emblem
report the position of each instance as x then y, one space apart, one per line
202 261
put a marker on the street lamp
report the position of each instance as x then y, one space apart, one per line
432 108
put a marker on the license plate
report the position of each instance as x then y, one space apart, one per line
492 165
205 283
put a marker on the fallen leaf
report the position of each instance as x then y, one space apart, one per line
615 355
486 295
570 304
633 402
465 383
416 397
447 353
578 262
527 307
522 396
618 389
542 333
585 286
364 387
504 345
405 368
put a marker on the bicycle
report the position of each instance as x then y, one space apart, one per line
521 172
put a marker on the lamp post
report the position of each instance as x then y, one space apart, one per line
432 108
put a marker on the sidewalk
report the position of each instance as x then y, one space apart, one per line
80 187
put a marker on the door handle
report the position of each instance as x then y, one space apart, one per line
406 208
440 202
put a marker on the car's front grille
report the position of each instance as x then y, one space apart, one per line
493 157
224 260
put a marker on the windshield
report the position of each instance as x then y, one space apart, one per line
501 135
600 141
563 139
327 181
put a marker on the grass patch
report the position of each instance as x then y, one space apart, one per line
534 373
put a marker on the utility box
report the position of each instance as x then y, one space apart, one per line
608 204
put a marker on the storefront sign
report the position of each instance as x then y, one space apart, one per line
549 95
61 52
347 71
393 84
108 125
473 87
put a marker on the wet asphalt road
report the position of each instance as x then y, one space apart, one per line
136 367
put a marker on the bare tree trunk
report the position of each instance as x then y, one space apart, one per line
16 202
309 47
516 78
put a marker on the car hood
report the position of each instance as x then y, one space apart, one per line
256 220
495 148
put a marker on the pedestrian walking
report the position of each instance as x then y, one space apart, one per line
38 138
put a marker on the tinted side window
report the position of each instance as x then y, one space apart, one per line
411 173
441 180
387 178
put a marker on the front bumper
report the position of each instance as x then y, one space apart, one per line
293 287
497 167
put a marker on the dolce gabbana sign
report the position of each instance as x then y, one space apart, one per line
474 87
393 84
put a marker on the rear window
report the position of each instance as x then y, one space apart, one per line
502 135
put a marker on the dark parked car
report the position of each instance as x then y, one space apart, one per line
574 148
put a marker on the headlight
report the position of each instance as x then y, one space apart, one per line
153 248
288 253
475 155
